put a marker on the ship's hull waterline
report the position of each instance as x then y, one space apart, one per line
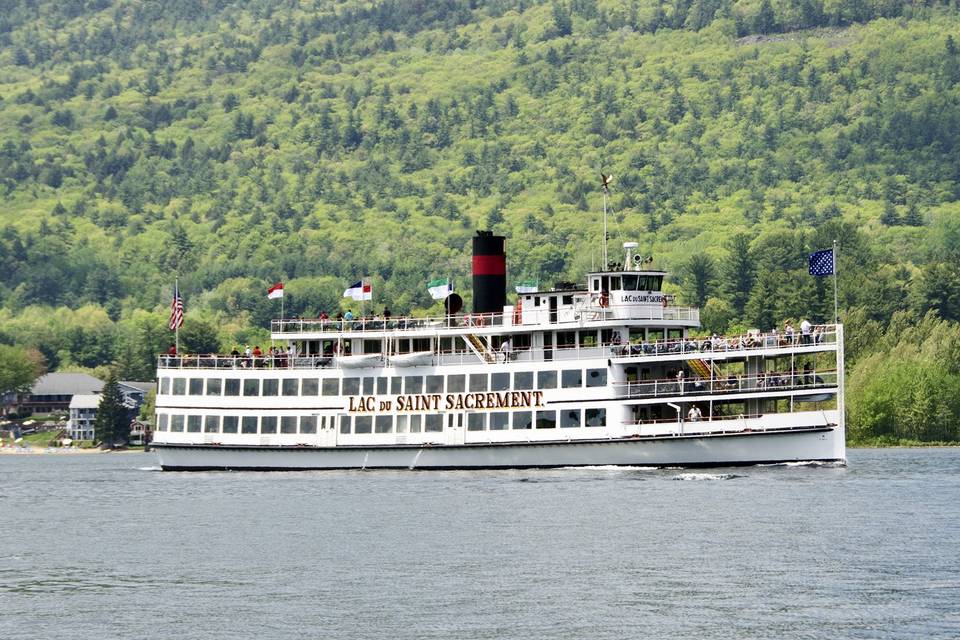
701 450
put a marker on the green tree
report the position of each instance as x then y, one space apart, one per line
198 336
698 277
19 369
111 427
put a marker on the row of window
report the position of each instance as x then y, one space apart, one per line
495 421
396 385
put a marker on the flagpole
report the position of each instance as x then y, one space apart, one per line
176 294
836 314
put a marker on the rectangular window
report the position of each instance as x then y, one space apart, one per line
456 384
566 339
382 386
176 423
572 378
413 384
615 283
596 377
351 386
363 424
288 424
433 422
402 424
476 422
546 419
193 424
587 338
383 424
249 424
415 423
331 386
523 380
164 386
499 420
230 424
595 417
345 424
179 386
196 386
290 386
372 346
211 424
434 384
522 420
310 387
500 381
308 424
271 387
251 387
368 386
478 382
396 385
214 386
231 387
163 420
569 418
546 379
268 424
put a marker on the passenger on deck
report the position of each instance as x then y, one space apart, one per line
348 316
805 331
694 414
788 332
172 350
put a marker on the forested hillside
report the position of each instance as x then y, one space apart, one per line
236 144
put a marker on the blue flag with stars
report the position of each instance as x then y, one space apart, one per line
821 263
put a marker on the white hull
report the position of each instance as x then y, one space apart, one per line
741 448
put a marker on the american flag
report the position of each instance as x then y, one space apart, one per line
821 263
176 309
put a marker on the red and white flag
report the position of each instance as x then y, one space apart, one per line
276 291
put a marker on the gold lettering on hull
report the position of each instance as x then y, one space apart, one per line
450 402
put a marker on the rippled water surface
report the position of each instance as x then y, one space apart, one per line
105 546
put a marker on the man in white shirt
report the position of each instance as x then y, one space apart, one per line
805 331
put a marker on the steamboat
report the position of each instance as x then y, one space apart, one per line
607 373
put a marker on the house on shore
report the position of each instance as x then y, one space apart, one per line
83 410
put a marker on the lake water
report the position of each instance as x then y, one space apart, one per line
106 546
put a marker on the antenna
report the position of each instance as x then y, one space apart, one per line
605 181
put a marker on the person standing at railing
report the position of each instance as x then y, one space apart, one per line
694 415
680 380
788 332
805 327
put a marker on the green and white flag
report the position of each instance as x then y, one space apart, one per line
439 289
527 286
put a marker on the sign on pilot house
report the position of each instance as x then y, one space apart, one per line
447 402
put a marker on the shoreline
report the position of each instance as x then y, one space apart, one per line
65 451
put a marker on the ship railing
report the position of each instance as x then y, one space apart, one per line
690 346
769 381
469 321
216 361
681 424
820 335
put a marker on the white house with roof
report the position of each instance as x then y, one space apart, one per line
83 408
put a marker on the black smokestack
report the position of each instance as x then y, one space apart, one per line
489 273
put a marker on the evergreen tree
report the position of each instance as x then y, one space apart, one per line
112 424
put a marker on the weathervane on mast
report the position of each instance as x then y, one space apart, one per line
605 181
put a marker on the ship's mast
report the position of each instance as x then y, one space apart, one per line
605 183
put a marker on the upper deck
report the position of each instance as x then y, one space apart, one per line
511 321
823 338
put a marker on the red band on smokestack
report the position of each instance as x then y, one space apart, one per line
489 265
